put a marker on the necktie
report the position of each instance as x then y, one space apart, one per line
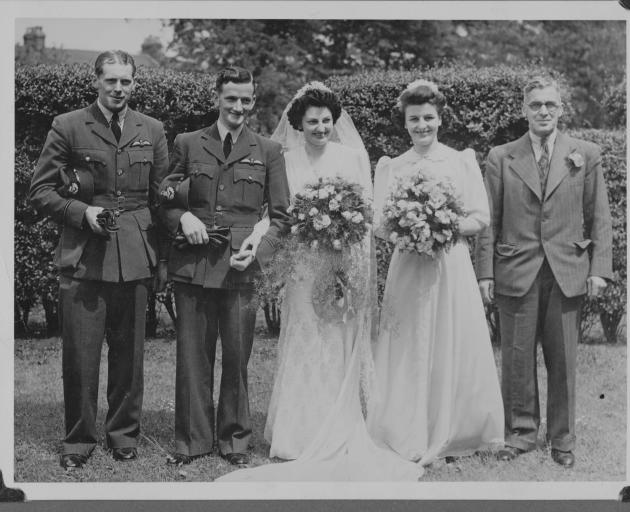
543 162
227 145
115 126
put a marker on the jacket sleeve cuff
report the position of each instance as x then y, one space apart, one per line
74 213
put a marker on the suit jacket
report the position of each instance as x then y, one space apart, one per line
229 193
569 225
124 174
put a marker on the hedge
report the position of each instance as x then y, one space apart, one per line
484 110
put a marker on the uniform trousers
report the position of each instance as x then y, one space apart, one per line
544 314
90 312
203 314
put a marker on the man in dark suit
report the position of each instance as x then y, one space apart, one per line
230 174
549 243
98 175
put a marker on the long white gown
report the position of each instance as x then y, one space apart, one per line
437 392
315 413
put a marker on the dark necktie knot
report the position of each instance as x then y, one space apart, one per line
227 145
115 126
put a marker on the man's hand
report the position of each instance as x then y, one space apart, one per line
161 276
193 229
90 217
251 243
241 260
595 286
486 288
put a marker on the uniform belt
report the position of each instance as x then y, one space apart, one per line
121 203
227 219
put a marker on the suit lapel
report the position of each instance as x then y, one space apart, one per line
211 142
96 122
242 147
559 166
524 165
131 128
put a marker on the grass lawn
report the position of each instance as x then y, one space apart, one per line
601 421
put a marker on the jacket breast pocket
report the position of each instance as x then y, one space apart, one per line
202 182
93 161
140 164
249 182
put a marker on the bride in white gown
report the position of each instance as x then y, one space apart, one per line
315 413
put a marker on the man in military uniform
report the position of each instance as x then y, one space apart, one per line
231 173
98 175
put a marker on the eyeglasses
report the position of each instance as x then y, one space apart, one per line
551 106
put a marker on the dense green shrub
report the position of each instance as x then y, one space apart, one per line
483 106
611 307
182 101
615 105
484 110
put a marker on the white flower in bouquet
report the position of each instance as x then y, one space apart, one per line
346 215
357 217
323 193
314 244
334 205
443 217
337 245
294 229
313 211
329 189
326 221
393 237
301 216
338 198
436 198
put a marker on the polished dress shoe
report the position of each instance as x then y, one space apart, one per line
125 454
180 459
72 461
566 459
236 459
509 453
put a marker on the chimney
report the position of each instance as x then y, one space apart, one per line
34 39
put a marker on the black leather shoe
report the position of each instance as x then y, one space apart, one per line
72 461
125 454
566 459
180 459
236 459
509 453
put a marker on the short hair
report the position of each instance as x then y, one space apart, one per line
313 98
540 82
113 57
234 74
419 95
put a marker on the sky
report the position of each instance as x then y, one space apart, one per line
94 34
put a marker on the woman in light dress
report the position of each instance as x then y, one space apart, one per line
436 392
315 414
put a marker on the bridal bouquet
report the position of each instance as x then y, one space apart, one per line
330 214
422 215
331 219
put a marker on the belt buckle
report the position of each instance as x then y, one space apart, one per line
119 201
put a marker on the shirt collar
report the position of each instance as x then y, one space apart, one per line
108 113
224 130
551 139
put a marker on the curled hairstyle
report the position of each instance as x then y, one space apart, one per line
113 57
419 93
313 98
234 74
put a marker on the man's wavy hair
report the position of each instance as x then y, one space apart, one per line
113 57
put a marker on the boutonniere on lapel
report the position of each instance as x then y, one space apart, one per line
576 159
141 143
251 161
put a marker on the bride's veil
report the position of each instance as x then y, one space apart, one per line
346 134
